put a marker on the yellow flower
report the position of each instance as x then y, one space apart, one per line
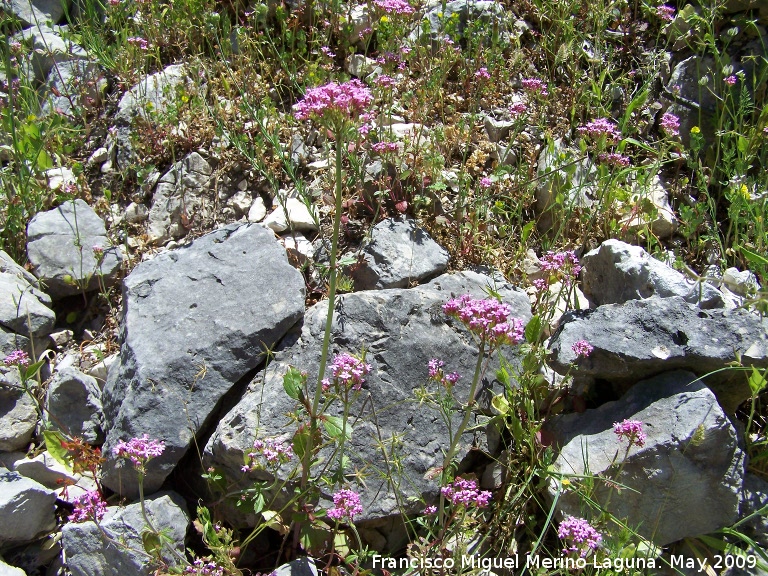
745 191
565 482
385 19
695 130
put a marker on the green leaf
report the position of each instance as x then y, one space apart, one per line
44 160
258 502
533 330
334 426
527 229
301 441
54 444
32 369
153 544
753 257
756 382
500 404
293 381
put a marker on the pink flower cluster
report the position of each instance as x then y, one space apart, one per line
600 127
385 81
614 159
141 43
582 348
436 373
482 74
518 108
670 124
349 371
564 264
17 358
273 451
465 492
580 536
201 568
139 450
535 85
382 147
486 182
394 6
489 319
348 99
632 431
665 12
346 504
731 80
88 506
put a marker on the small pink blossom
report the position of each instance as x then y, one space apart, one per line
382 147
632 431
614 159
141 43
346 504
349 100
482 74
535 86
348 371
394 6
17 358
582 348
429 510
89 506
563 264
489 319
665 12
518 108
202 568
579 535
465 492
731 80
600 127
139 450
327 51
486 182
670 124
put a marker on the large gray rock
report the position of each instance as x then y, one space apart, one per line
60 246
181 192
196 320
467 13
641 338
75 86
398 253
26 507
690 468
617 272
400 330
115 547
47 50
753 499
8 570
32 12
24 308
18 413
73 405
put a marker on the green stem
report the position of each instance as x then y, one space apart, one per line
329 318
465 421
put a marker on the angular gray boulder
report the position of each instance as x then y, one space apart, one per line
27 509
115 547
616 272
691 467
24 308
73 405
400 331
18 414
398 253
63 246
196 320
641 338
32 12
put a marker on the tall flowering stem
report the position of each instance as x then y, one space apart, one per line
491 323
336 106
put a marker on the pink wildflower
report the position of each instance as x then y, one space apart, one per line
600 127
614 159
434 367
518 108
665 12
139 450
349 371
582 348
346 504
17 358
394 6
274 452
141 43
327 51
489 319
534 85
563 264
632 431
89 506
348 100
486 182
382 147
482 74
731 80
201 568
465 492
670 124
385 81
579 535
429 510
